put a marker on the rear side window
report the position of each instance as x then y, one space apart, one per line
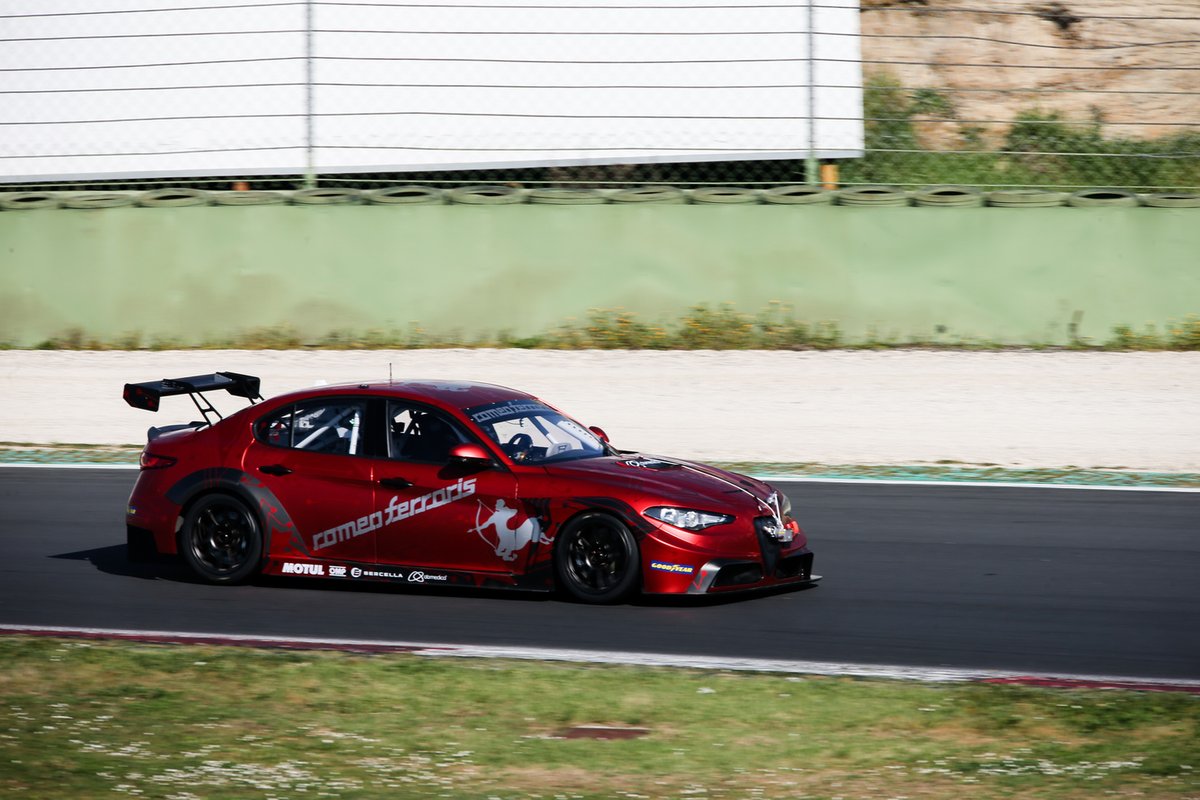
323 426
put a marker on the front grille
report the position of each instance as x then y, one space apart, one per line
767 544
797 566
737 575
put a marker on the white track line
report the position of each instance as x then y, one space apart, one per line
790 479
433 649
979 484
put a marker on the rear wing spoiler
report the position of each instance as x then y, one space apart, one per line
148 395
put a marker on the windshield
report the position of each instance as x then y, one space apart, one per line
531 433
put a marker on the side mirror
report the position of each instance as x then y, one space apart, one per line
599 433
469 453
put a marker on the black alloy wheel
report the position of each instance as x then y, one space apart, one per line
221 539
596 559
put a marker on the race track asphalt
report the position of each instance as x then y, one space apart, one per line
1025 579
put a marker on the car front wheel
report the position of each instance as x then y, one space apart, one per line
596 559
221 539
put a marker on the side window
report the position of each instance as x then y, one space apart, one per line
418 434
324 426
275 430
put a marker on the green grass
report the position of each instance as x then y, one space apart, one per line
58 453
1037 149
93 718
703 327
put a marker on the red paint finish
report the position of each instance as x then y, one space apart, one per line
357 482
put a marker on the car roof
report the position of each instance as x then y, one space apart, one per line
450 393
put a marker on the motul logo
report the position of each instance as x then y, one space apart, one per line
303 569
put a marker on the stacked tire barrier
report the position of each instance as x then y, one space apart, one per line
406 195
326 197
650 194
1172 200
567 196
249 198
1026 198
487 195
1099 198
724 194
98 200
28 201
867 196
798 195
949 197
873 197
173 198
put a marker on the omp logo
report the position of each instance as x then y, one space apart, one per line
681 569
290 568
337 572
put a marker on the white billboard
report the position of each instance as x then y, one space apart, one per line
137 88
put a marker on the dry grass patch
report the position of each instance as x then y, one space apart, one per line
102 718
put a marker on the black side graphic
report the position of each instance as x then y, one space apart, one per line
283 537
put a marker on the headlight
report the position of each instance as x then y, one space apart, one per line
687 518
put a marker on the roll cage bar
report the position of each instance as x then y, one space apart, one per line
148 395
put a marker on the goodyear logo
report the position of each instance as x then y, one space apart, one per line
681 569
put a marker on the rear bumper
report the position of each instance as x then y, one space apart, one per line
139 544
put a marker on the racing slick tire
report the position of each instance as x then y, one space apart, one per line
221 539
596 559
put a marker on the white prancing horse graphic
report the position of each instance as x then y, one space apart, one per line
509 540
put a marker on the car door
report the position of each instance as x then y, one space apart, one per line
312 455
436 510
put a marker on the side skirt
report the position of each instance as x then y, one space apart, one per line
539 580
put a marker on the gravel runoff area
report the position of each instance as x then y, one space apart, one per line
1138 411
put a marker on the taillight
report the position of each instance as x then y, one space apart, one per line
155 461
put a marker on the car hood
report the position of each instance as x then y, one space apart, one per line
672 480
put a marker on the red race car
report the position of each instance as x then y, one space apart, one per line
445 483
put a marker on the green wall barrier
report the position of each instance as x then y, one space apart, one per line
1015 276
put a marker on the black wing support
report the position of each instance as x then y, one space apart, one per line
148 395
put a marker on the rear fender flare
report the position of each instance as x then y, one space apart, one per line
279 532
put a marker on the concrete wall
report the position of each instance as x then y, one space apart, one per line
201 273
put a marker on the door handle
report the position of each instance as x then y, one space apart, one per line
395 483
275 469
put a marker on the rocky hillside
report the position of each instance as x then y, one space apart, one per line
1134 67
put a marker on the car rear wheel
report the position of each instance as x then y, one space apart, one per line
596 559
221 539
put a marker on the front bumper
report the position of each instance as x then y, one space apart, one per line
758 559
730 574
